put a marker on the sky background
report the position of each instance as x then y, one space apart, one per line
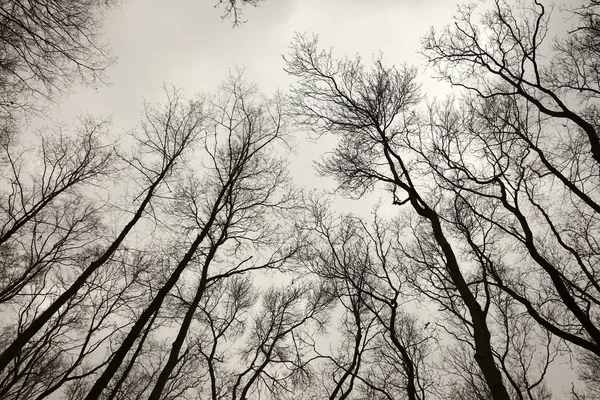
185 43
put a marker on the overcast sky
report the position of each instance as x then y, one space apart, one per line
186 43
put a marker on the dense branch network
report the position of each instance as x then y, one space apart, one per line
181 262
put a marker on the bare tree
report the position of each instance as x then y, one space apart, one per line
223 315
370 112
66 161
46 220
274 359
165 136
535 120
157 294
500 202
257 186
74 343
46 46
233 9
387 349
241 183
589 373
358 329
503 56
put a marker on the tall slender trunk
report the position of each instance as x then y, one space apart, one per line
159 386
554 274
139 325
409 367
13 350
137 352
484 355
483 349
156 303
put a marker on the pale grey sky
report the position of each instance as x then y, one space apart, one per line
185 43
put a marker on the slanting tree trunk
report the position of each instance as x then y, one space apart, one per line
153 308
162 379
176 139
13 350
371 112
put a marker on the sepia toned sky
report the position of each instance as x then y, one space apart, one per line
187 44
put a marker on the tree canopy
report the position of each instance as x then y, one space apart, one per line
182 261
